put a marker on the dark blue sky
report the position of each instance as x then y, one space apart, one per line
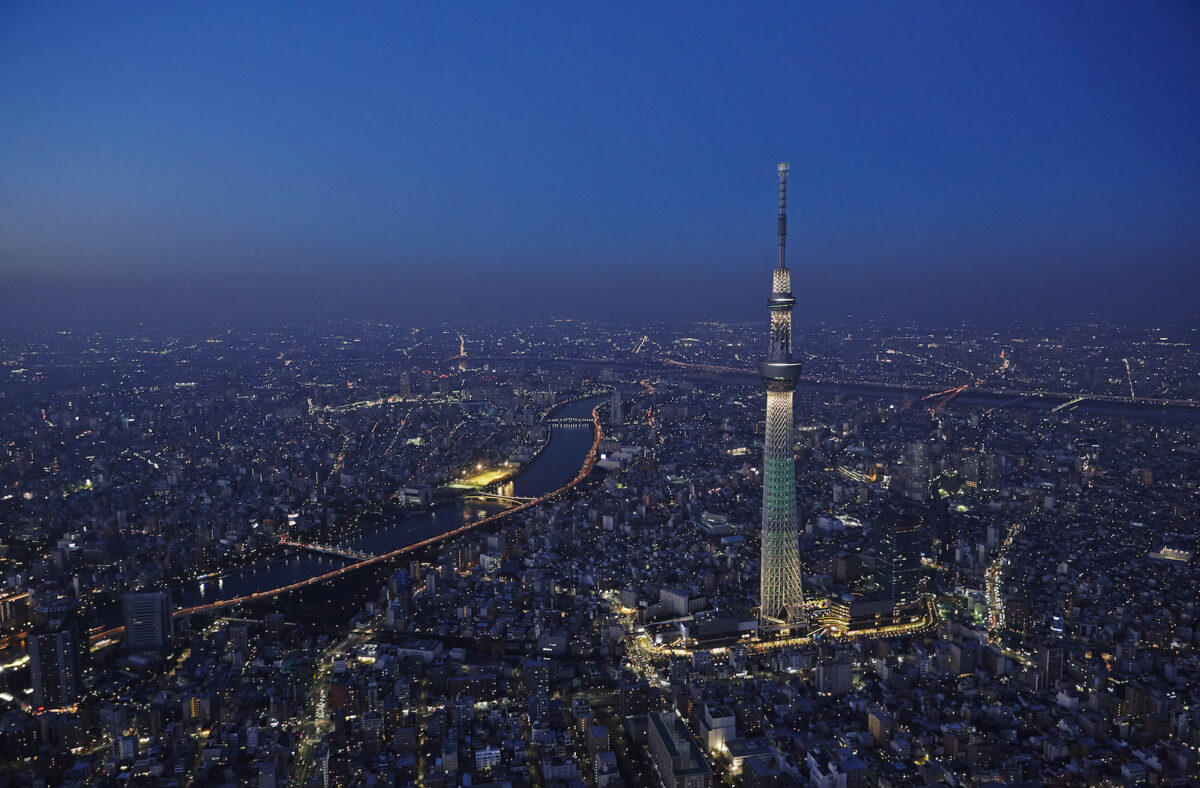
244 160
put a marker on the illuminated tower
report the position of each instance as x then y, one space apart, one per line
781 596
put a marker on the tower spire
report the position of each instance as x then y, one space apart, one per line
783 173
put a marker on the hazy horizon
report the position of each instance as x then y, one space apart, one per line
249 163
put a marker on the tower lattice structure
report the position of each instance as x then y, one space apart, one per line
781 595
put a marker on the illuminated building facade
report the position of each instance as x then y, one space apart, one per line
781 596
899 564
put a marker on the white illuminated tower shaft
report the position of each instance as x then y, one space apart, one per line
781 596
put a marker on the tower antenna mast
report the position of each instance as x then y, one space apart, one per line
783 173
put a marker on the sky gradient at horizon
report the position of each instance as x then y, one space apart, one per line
240 160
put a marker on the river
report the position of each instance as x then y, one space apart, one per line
555 466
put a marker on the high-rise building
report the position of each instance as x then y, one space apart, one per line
912 480
14 608
677 757
900 543
1050 663
833 675
54 651
1018 614
781 596
147 619
615 407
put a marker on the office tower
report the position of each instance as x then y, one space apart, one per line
615 407
405 385
912 480
781 597
147 619
833 675
1018 614
1050 663
54 651
900 543
676 755
239 636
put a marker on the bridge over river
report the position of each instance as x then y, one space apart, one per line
567 459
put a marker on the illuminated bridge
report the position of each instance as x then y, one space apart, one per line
569 422
1068 405
344 552
487 496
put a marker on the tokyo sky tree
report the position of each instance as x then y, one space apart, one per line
781 596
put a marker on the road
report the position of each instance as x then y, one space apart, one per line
995 580
317 723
